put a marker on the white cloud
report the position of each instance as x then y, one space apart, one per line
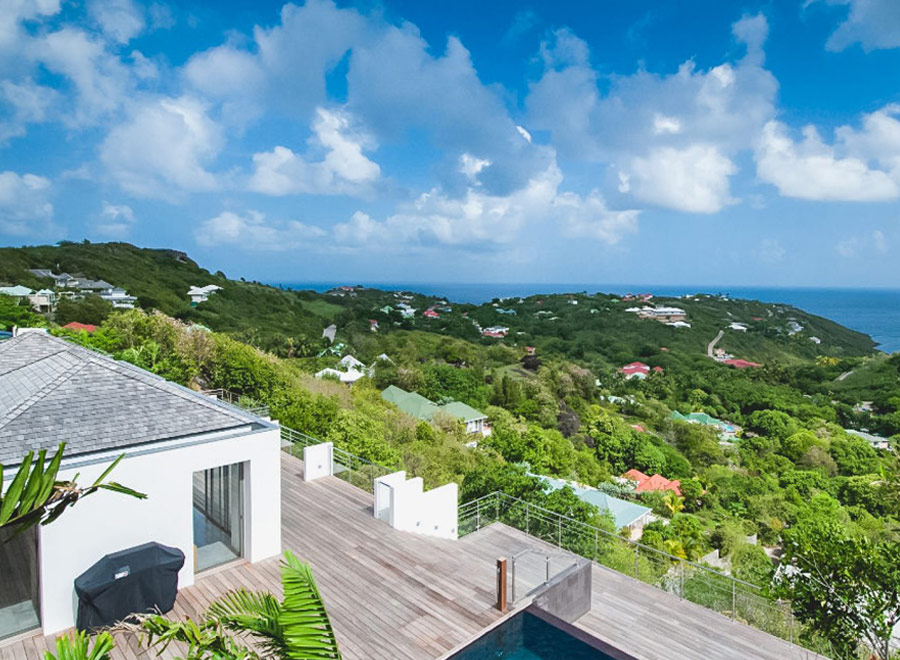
524 133
813 170
694 179
116 220
163 148
471 166
479 220
873 23
27 103
101 82
674 138
253 231
120 20
343 168
24 204
663 125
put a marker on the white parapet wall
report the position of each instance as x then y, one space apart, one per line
405 505
318 461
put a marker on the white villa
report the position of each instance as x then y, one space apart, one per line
199 294
211 474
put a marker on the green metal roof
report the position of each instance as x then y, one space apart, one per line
463 411
624 513
421 408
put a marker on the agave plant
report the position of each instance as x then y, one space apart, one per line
79 647
295 628
36 497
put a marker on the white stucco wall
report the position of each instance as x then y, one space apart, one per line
107 522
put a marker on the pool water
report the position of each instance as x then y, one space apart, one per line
527 637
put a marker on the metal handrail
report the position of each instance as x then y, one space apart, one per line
555 515
547 556
718 592
234 399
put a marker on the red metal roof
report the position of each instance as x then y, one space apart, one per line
78 327
741 364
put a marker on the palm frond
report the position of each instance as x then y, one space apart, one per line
255 613
35 496
79 647
307 628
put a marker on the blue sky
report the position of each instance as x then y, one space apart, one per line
712 143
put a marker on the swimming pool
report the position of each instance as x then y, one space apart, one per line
528 637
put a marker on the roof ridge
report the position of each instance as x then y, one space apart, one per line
136 373
157 382
28 364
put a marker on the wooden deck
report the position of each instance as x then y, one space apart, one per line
396 595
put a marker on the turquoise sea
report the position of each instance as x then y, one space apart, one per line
873 311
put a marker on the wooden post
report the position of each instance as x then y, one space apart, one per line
501 584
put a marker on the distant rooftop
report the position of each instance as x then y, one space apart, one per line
52 391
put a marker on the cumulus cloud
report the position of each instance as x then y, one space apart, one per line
673 138
479 219
26 103
693 179
120 20
874 24
101 82
116 220
342 169
163 148
253 231
24 204
813 170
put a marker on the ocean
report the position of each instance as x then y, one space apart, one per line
875 312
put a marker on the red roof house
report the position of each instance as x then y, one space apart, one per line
741 364
431 314
655 483
75 326
635 370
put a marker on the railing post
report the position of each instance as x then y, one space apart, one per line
791 634
496 508
526 517
512 600
546 568
733 598
596 534
681 591
636 548
559 532
478 515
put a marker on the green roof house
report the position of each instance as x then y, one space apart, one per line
421 408
624 513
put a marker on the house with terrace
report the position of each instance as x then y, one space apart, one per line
211 474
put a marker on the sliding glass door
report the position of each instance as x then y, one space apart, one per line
218 515
19 605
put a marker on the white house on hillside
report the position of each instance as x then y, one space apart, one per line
211 474
199 294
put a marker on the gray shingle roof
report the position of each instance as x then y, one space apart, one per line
52 391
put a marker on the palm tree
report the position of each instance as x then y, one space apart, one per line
674 503
296 628
36 497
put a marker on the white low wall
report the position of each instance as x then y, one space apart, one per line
405 505
318 461
107 522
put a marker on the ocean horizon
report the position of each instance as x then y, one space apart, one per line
875 312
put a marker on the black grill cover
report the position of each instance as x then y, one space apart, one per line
140 579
